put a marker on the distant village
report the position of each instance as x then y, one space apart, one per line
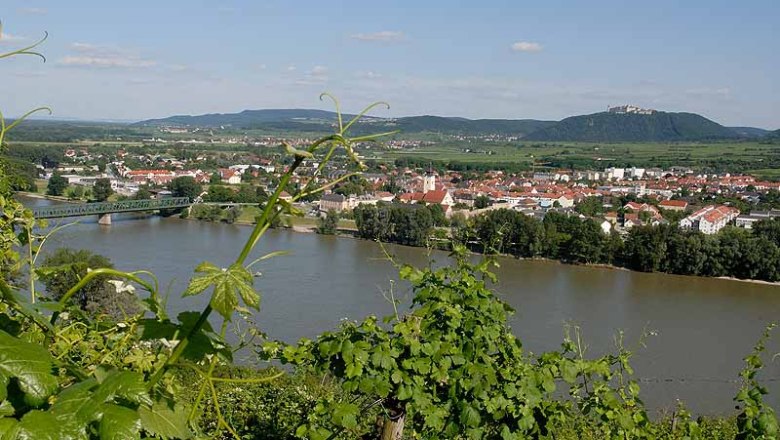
657 195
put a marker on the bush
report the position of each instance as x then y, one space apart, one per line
329 224
102 296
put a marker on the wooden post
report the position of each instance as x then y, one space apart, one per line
393 426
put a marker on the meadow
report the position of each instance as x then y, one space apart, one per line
763 159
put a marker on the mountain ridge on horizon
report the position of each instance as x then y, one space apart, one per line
601 127
318 120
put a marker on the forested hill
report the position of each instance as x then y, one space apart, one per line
613 127
750 132
319 120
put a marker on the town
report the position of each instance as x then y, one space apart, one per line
619 198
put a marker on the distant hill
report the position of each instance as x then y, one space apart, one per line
613 127
449 125
774 134
246 119
319 120
750 132
72 131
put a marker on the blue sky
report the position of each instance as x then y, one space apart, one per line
489 59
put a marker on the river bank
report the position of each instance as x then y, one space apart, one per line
306 225
60 199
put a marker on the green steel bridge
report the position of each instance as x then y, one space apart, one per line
103 208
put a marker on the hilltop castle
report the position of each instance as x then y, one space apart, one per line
630 109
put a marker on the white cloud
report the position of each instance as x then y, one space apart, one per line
368 75
84 47
106 62
319 71
91 55
526 46
291 68
317 75
34 11
383 36
10 38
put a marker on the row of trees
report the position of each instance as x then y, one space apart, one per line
733 252
398 223
244 194
58 185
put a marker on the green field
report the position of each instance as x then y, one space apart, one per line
726 156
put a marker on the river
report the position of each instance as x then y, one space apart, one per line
702 327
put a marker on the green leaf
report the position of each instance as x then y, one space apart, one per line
6 409
31 365
6 425
164 421
3 386
345 415
202 343
199 284
469 416
568 371
119 423
128 385
228 284
39 425
382 359
77 403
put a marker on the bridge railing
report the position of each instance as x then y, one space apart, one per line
84 209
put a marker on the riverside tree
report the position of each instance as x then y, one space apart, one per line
185 186
57 185
328 225
102 190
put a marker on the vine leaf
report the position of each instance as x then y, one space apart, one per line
119 423
228 285
6 425
204 342
345 414
164 421
31 365
40 425
128 385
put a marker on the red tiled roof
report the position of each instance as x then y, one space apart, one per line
408 197
434 196
674 203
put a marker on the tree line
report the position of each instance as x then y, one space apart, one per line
410 225
733 252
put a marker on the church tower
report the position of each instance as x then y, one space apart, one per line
429 182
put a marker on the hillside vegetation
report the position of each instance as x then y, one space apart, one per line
749 132
657 127
319 120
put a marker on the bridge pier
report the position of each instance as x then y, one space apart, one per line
105 219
